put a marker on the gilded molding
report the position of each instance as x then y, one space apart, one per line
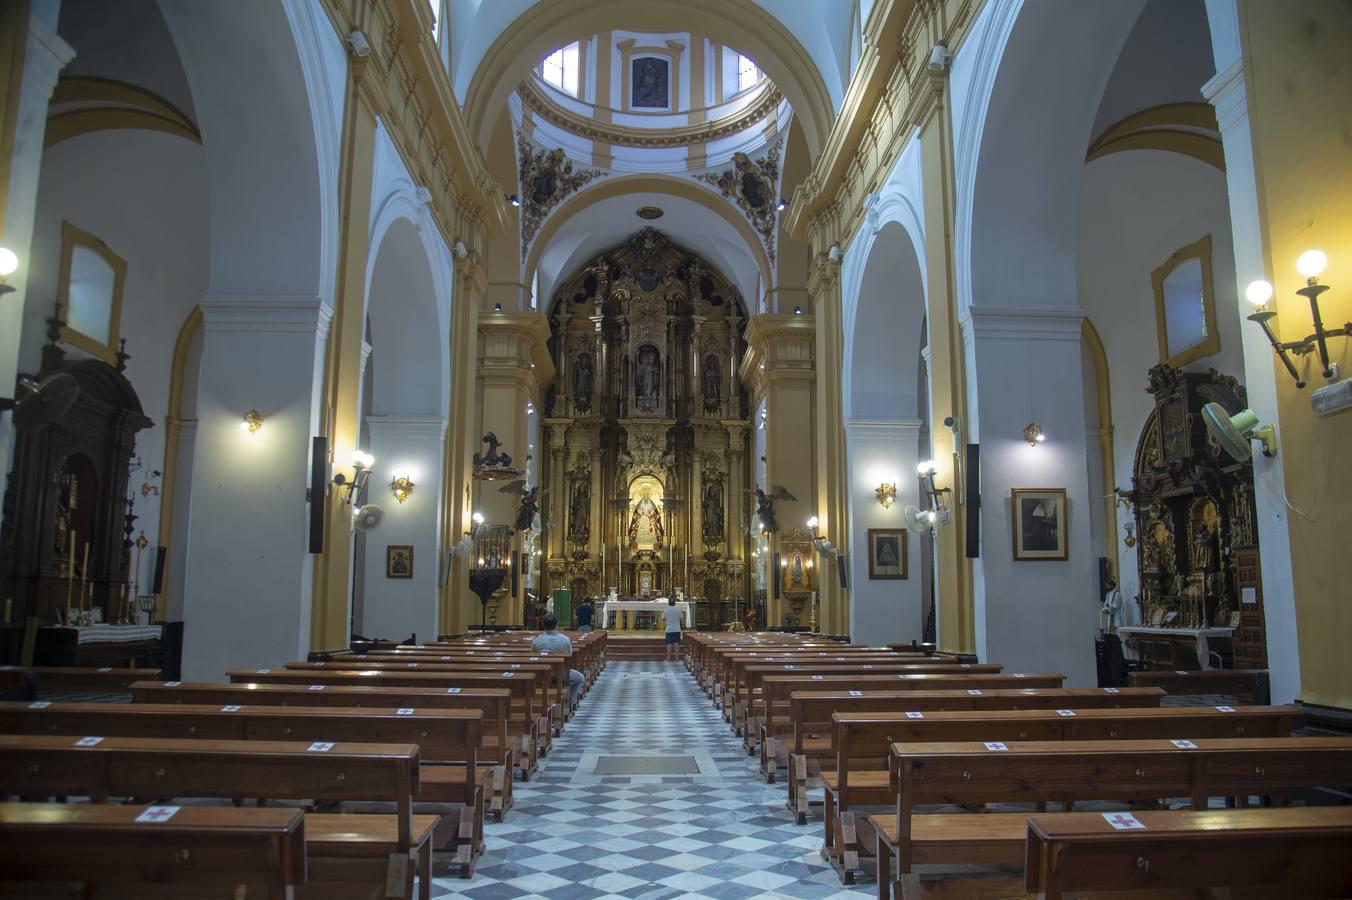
753 186
626 136
547 179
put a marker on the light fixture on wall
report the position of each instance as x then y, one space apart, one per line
361 473
252 422
781 205
1311 265
797 310
497 307
514 199
9 263
402 487
918 519
886 493
1130 539
1032 433
822 544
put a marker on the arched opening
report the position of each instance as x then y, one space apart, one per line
886 399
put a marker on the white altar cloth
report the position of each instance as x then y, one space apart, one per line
111 634
1202 636
654 606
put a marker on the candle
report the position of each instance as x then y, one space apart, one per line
70 568
84 574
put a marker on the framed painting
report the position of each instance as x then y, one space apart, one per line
399 561
1039 523
887 554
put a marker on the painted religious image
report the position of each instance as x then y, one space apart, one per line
645 524
1039 523
647 378
649 88
887 554
399 561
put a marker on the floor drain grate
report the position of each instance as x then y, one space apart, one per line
646 765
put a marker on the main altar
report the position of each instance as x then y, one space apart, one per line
646 431
622 614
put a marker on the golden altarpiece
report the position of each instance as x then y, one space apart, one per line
646 430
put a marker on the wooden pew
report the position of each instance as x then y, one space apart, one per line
198 853
448 741
1249 685
1268 853
527 714
863 742
782 683
366 856
1041 771
83 679
496 742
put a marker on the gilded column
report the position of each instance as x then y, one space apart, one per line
831 493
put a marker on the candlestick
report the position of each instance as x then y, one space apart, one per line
84 574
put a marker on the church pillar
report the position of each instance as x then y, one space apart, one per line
31 51
947 373
330 629
830 497
510 345
780 362
395 607
248 575
734 501
459 607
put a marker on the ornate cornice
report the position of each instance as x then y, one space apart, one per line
753 186
535 98
547 179
890 94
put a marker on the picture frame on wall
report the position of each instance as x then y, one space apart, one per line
887 554
399 561
1039 525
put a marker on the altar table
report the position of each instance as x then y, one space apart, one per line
1202 636
652 606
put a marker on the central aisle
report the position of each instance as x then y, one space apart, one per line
722 833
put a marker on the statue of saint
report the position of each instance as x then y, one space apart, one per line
1203 559
712 510
647 378
713 383
579 516
645 525
582 381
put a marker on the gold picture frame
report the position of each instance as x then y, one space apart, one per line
887 554
73 241
1039 524
399 561
1210 343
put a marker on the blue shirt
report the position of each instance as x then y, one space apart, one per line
552 642
583 614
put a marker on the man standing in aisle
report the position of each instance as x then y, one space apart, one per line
672 616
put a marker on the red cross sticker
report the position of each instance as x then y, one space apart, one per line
157 814
1124 821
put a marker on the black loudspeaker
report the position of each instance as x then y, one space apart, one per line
971 497
774 574
319 485
843 568
446 568
158 584
516 569
171 651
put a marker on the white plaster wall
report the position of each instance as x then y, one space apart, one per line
144 194
1136 209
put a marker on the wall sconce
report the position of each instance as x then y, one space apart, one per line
1311 265
1032 433
918 519
9 263
253 422
361 473
1130 539
886 493
402 488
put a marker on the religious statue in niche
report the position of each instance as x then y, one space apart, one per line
647 377
583 380
711 508
645 524
579 513
712 383
649 88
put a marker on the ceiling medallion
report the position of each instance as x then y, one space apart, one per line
649 212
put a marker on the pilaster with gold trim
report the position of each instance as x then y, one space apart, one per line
832 500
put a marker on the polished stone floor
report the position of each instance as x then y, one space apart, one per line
719 832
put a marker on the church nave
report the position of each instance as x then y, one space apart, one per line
572 834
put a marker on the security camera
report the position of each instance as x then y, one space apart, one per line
459 250
834 253
939 58
358 44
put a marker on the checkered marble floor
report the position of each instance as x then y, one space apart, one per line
721 834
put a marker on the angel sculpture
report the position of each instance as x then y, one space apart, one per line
530 502
492 458
765 505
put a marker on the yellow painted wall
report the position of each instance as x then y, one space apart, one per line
1299 73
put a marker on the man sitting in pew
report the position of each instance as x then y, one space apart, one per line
554 642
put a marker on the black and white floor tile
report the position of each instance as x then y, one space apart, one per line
721 833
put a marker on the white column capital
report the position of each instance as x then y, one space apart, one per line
249 314
407 426
1027 323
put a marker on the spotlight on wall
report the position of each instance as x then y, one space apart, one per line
1032 433
781 205
497 307
937 514
478 518
252 422
361 473
1311 265
822 545
886 493
402 487
514 199
9 263
797 310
